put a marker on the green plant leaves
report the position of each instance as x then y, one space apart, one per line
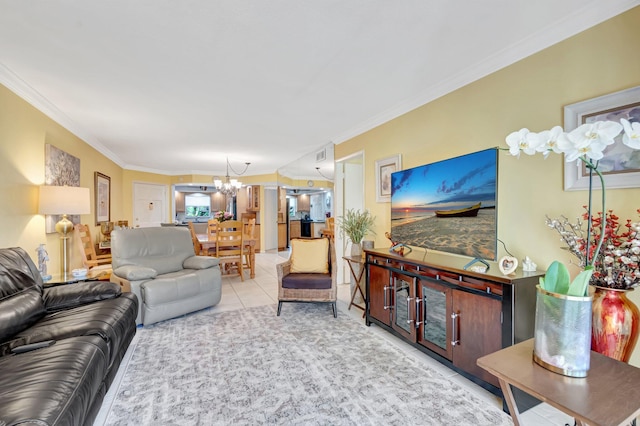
558 280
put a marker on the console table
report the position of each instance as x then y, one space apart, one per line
609 395
452 314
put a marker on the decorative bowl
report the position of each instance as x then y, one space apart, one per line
79 273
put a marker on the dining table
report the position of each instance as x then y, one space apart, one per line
208 242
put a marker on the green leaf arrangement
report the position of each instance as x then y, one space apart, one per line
356 224
557 280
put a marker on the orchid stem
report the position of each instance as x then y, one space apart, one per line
594 168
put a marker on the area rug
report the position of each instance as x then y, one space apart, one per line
305 367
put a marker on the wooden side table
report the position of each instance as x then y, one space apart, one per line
351 261
609 395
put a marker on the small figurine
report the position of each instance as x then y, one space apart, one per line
43 258
528 265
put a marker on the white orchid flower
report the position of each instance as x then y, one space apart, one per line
600 132
554 140
520 141
631 136
593 151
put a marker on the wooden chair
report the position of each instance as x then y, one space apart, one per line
197 247
310 273
212 228
97 265
329 230
230 246
249 231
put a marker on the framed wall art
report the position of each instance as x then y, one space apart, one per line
621 164
60 169
384 168
103 197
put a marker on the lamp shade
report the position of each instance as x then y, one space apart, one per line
64 200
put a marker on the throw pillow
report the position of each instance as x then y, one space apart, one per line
310 256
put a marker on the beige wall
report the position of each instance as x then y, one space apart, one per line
530 93
24 131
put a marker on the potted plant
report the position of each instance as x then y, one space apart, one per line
356 224
608 259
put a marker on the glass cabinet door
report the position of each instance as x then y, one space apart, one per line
404 311
434 320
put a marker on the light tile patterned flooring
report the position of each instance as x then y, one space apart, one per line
263 290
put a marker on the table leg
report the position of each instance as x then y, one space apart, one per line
511 402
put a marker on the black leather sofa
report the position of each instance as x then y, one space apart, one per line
60 347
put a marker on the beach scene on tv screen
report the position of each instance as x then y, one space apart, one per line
448 206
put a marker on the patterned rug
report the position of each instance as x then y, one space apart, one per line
251 367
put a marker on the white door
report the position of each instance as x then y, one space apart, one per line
349 194
149 204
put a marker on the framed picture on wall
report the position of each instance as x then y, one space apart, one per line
103 197
621 164
384 168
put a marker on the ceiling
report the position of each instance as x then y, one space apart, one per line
175 87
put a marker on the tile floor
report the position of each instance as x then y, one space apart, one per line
262 290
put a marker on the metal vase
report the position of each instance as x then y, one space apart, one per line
562 338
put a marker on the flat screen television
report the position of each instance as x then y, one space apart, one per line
449 206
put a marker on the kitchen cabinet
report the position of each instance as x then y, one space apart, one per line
304 203
454 315
179 202
294 229
282 236
253 198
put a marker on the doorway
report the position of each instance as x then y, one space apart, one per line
349 194
149 204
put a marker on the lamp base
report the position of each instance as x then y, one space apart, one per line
64 228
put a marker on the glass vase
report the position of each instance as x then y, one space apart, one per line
562 336
615 323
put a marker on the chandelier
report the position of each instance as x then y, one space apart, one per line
230 186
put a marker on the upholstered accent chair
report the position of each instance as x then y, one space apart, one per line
309 275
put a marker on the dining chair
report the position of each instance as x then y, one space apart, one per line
97 265
197 247
212 228
230 246
250 232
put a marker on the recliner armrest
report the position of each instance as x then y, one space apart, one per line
200 262
71 295
135 272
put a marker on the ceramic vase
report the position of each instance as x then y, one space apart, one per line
615 323
356 251
562 334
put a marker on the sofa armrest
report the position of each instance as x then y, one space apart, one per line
135 272
71 295
283 269
200 262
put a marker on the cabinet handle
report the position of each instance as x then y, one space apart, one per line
409 320
454 329
386 303
418 322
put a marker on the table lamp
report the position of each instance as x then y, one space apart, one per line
64 200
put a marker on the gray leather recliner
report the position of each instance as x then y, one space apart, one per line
159 266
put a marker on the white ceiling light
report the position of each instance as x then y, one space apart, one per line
230 186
